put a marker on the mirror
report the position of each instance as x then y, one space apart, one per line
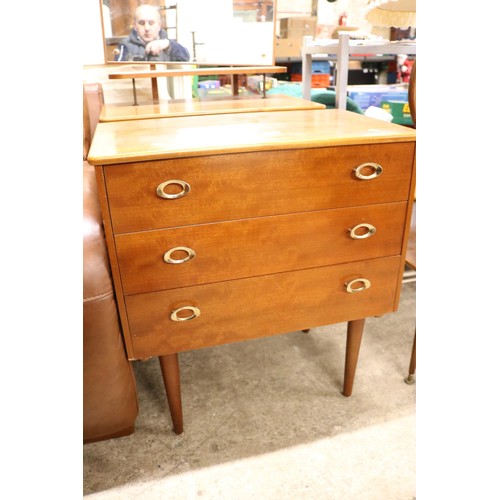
219 32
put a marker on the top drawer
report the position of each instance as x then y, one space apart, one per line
254 184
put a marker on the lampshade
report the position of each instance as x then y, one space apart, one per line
392 13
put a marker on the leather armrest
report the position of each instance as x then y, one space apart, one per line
110 404
93 99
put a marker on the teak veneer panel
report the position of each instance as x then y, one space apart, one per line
272 195
244 309
257 184
233 70
138 140
252 247
185 107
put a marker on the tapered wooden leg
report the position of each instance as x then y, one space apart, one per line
413 362
235 84
354 335
169 364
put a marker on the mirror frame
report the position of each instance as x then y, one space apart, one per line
270 61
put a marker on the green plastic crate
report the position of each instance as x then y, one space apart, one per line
399 110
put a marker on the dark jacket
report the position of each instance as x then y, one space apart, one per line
134 49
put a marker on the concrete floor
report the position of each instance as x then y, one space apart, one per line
265 419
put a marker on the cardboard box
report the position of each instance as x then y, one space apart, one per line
399 110
297 27
373 95
288 47
256 82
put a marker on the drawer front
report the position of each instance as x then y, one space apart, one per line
214 252
238 310
256 184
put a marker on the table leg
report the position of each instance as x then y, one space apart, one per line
235 84
354 335
342 71
169 364
135 91
413 362
154 86
306 76
154 90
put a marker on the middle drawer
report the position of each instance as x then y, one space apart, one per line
192 255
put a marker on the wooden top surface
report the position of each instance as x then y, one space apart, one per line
233 70
138 140
411 252
111 113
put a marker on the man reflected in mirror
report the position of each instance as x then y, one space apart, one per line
148 41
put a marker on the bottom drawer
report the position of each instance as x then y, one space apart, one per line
249 308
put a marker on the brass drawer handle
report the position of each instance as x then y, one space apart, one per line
375 167
167 257
195 312
356 235
352 288
185 188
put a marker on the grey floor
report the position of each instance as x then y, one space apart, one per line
265 419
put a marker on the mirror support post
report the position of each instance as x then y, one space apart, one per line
135 92
154 86
235 85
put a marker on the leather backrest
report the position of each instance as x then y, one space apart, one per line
93 99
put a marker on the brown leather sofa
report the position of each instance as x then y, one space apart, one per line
110 405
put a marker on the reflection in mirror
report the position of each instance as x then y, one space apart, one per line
217 32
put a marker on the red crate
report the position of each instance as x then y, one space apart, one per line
318 80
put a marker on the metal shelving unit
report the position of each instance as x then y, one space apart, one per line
342 51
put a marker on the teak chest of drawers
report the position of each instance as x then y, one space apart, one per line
227 228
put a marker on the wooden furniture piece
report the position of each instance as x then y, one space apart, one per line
341 50
182 107
411 252
110 405
412 92
153 74
411 260
233 227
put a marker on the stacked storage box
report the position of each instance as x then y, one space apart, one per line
392 98
291 32
373 95
399 110
297 27
320 73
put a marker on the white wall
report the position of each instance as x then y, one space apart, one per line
328 13
92 47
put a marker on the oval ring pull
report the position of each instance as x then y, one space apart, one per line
365 284
195 312
185 188
376 171
167 257
355 235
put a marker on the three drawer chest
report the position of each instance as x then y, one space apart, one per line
232 227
